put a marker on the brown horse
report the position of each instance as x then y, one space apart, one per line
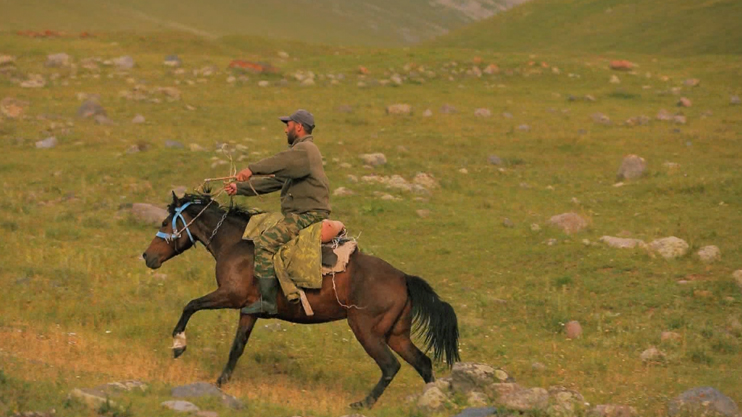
380 302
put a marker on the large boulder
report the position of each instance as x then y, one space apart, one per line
569 222
399 109
669 247
147 213
632 167
702 401
205 389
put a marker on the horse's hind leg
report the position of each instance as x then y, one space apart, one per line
399 340
221 298
247 322
376 347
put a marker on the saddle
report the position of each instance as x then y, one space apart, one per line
320 249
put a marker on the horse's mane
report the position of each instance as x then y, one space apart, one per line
203 199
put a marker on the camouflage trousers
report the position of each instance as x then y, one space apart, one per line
273 238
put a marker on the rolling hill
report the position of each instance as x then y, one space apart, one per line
347 22
677 27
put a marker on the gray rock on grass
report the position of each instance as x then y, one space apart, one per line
669 247
91 108
612 410
58 60
47 143
622 243
181 406
399 109
632 167
125 62
735 100
569 222
702 401
373 159
147 213
205 389
709 254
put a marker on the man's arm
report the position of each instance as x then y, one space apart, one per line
291 163
261 185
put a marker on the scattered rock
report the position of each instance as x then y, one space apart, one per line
482 112
93 398
448 109
264 83
601 118
342 192
204 389
684 102
632 167
428 113
91 108
612 410
468 376
491 69
573 330
173 144
477 412
138 119
34 81
524 128
494 160
425 180
147 213
399 109
508 223
569 222
653 355
373 159
12 108
525 399
622 243
735 100
669 247
737 275
58 60
345 108
638 121
181 406
507 115
538 366
670 337
423 213
702 401
692 82
709 254
47 143
172 61
535 227
7 60
622 65
433 399
476 399
615 80
124 62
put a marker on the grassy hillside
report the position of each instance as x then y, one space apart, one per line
677 27
79 308
378 22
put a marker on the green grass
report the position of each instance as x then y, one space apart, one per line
80 309
351 22
656 27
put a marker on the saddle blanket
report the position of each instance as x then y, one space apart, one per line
299 262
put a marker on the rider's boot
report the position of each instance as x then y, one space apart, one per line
268 293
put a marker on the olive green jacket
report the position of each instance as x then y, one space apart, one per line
298 173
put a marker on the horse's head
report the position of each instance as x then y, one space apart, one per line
174 236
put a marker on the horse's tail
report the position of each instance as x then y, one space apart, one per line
434 320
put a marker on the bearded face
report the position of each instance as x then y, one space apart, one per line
291 133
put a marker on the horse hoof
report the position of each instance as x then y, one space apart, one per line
178 351
362 404
223 379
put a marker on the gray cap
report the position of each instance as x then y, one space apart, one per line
300 116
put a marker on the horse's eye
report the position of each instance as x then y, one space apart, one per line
164 223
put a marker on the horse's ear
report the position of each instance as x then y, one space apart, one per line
175 198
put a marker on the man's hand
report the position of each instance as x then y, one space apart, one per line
231 188
244 175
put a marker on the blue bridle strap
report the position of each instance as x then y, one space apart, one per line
175 235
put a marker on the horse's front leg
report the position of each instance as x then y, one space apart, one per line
212 301
247 322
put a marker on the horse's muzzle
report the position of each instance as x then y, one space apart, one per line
153 262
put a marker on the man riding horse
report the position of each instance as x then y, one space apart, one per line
305 199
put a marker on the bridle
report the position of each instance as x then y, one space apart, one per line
176 234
